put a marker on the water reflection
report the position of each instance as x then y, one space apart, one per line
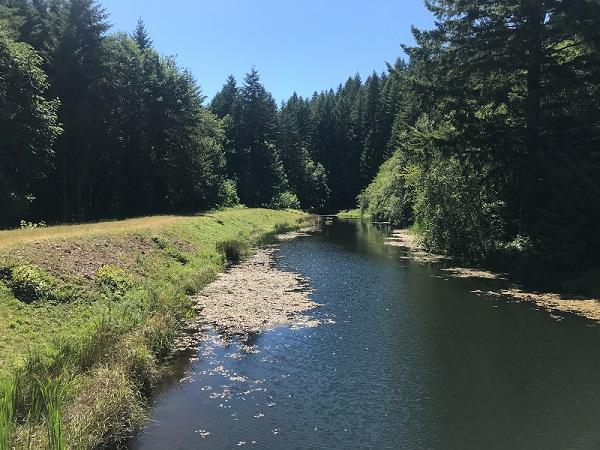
413 360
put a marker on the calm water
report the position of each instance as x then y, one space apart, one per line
413 360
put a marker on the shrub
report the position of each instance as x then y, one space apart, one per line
29 283
389 197
458 211
234 250
285 200
228 196
114 279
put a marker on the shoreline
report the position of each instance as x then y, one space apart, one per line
251 297
551 302
94 313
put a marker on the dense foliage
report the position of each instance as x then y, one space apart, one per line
497 142
490 130
134 137
324 149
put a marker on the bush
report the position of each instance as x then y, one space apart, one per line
458 212
389 197
228 196
114 279
233 250
29 283
285 200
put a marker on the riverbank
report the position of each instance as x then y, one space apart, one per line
552 302
352 214
90 313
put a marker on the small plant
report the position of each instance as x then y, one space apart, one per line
228 194
233 250
114 279
193 280
163 244
29 283
27 225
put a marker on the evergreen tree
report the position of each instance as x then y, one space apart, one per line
75 72
254 160
140 35
225 101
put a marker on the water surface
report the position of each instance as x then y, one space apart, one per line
413 360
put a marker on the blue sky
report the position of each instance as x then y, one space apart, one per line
296 45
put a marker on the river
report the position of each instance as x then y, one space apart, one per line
406 358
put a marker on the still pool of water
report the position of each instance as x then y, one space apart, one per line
413 360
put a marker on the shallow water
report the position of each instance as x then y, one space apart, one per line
413 360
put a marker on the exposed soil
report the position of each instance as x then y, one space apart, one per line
69 258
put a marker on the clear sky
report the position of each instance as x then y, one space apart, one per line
296 45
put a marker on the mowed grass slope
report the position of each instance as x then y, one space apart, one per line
95 309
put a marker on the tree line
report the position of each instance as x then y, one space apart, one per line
497 139
486 138
322 150
98 125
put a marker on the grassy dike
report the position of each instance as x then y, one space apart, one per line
89 314
352 214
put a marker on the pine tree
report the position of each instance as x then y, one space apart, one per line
255 162
224 101
140 35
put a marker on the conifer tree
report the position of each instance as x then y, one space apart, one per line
140 35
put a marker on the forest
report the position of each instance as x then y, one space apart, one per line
485 137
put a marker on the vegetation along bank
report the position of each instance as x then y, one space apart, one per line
90 313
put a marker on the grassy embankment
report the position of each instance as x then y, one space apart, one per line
352 214
88 314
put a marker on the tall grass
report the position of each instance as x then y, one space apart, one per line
84 385
7 411
52 393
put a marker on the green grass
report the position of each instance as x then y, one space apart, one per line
92 311
351 214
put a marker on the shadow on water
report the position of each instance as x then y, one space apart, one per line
413 360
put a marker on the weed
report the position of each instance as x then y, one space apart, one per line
114 280
29 283
233 250
52 393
